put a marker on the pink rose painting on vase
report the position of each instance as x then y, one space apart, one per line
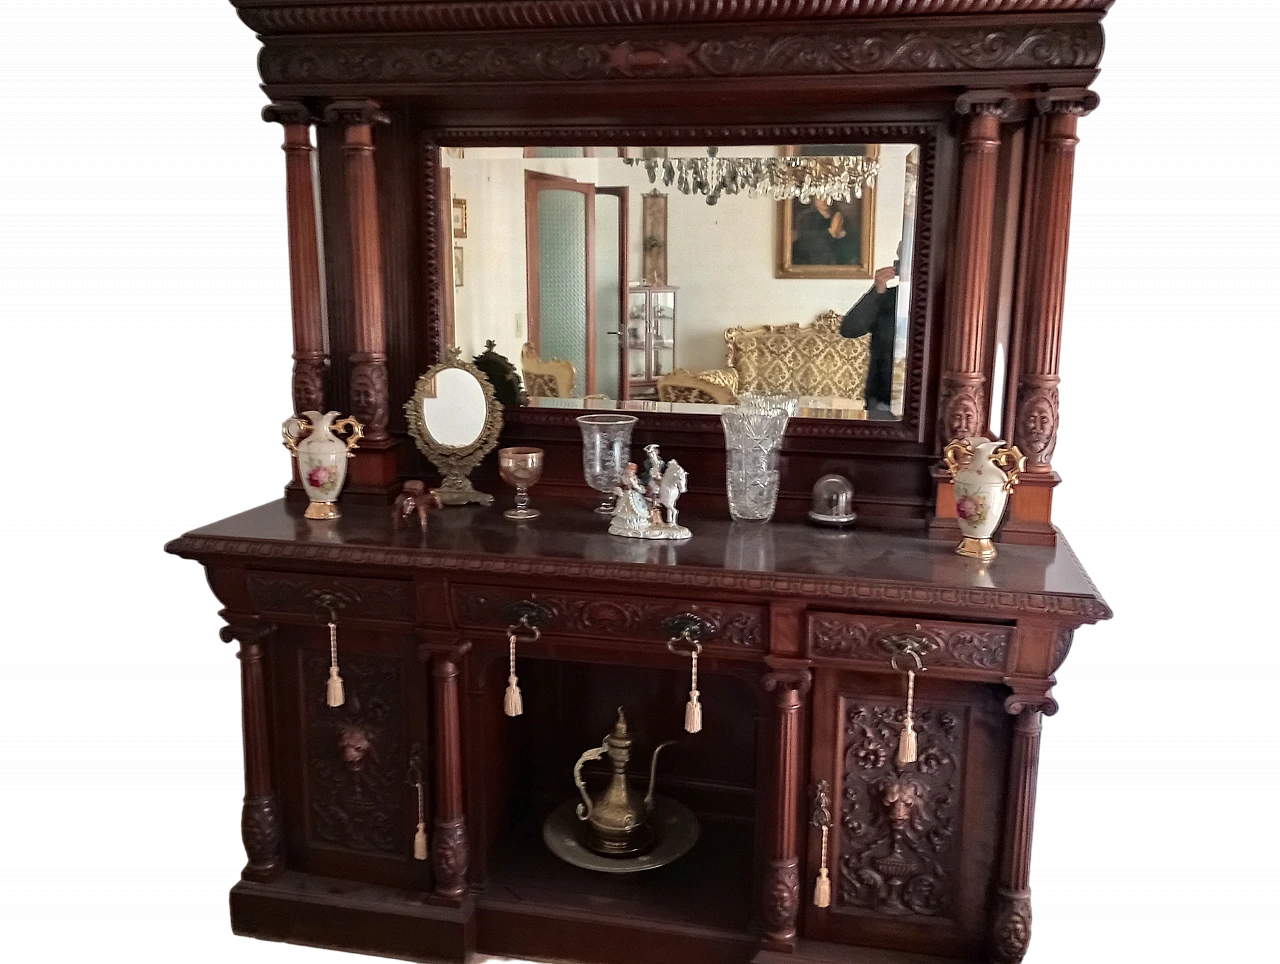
323 479
972 509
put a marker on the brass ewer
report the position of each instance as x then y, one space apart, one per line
617 820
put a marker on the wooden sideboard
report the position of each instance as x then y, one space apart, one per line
797 688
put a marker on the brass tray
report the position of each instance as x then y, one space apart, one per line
676 826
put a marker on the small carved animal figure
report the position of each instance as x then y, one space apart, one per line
413 498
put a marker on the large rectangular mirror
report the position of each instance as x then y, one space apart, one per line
676 279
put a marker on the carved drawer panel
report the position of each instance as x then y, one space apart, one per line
351 597
874 639
733 626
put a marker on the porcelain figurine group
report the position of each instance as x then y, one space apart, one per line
645 507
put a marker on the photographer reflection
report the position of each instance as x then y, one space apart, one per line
877 312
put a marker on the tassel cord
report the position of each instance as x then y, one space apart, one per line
420 838
692 709
335 694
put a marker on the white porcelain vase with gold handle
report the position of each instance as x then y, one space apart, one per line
984 473
322 457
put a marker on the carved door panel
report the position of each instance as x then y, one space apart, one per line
350 810
913 848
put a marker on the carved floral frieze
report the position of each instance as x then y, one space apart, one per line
844 50
938 644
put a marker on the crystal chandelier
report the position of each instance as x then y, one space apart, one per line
836 178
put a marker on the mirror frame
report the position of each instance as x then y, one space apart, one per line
455 462
912 427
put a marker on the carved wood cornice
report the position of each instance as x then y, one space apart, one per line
850 49
904 597
274 17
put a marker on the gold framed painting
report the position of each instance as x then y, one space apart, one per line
457 266
828 239
459 218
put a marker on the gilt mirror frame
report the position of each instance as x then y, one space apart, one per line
911 427
455 462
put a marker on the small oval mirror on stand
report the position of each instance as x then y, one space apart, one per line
455 421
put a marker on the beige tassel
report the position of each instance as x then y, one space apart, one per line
907 741
335 694
822 889
420 838
512 701
822 819
693 709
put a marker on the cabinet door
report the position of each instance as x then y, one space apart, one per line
350 809
913 848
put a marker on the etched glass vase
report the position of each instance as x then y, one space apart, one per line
606 449
752 438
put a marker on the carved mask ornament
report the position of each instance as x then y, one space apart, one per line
369 393
1039 425
962 419
355 743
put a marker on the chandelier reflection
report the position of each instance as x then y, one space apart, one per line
781 178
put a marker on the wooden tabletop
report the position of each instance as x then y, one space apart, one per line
891 569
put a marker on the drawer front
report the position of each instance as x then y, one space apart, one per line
305 594
868 640
733 626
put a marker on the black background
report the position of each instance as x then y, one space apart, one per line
152 223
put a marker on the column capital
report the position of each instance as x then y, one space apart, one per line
354 112
786 679
988 103
287 112
1077 101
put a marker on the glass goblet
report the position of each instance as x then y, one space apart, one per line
520 467
606 449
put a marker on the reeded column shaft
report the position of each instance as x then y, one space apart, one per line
781 904
449 857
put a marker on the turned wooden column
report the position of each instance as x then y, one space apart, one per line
1033 424
369 389
781 899
449 841
963 398
310 357
260 817
1011 931
963 401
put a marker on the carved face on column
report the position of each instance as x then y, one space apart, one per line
369 395
1038 427
962 416
308 386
